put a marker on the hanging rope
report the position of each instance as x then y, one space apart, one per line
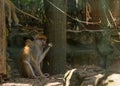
113 19
111 15
76 19
104 9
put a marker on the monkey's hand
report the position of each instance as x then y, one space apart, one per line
50 44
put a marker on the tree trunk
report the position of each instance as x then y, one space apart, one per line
56 33
2 39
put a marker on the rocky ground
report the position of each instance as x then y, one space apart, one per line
89 75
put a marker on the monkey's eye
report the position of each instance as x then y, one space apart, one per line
43 39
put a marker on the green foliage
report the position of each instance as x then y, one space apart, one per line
34 7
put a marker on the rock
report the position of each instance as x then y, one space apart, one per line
82 76
112 79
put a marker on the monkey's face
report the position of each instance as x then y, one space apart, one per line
41 42
41 39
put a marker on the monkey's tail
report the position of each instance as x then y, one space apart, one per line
27 14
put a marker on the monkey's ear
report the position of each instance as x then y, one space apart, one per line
35 36
28 41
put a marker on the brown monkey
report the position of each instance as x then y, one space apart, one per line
11 13
26 60
33 55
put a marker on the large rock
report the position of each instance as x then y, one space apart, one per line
83 76
112 79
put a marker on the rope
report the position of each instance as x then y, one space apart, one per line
76 19
113 19
104 8
111 15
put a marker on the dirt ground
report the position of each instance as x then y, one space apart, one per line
56 80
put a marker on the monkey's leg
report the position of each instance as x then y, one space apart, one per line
15 18
40 59
37 69
8 5
40 71
29 70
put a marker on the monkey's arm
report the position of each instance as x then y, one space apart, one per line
41 57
